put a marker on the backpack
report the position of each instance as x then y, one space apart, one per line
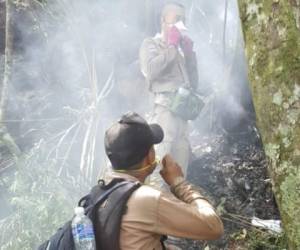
105 206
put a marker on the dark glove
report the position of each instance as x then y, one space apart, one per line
174 36
187 45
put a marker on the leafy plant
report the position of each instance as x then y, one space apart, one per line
41 200
253 239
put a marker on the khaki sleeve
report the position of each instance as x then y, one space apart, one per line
154 61
189 215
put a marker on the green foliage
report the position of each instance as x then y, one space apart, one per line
252 239
42 202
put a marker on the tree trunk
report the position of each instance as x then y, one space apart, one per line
8 58
5 137
272 35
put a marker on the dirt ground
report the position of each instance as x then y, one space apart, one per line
232 171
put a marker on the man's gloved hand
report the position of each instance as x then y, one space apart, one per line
171 171
187 45
173 37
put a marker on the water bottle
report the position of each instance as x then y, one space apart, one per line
82 230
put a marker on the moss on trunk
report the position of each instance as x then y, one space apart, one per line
272 35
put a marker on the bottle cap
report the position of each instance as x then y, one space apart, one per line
79 210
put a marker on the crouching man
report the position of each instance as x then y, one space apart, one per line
152 213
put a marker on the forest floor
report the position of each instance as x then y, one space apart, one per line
232 170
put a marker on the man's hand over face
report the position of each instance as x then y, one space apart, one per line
170 170
174 36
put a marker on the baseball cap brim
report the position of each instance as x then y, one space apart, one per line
157 132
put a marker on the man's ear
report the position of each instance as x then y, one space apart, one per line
151 155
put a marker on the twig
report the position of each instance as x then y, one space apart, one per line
224 31
85 146
63 138
93 147
244 224
88 151
69 150
243 220
107 86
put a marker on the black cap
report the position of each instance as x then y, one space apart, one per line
128 141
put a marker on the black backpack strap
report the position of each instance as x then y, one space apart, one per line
102 197
163 238
108 217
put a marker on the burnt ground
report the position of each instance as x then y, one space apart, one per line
232 169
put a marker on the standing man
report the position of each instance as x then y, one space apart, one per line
169 63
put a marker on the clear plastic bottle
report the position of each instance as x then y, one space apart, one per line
82 230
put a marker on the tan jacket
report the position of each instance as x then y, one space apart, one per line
152 213
165 68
